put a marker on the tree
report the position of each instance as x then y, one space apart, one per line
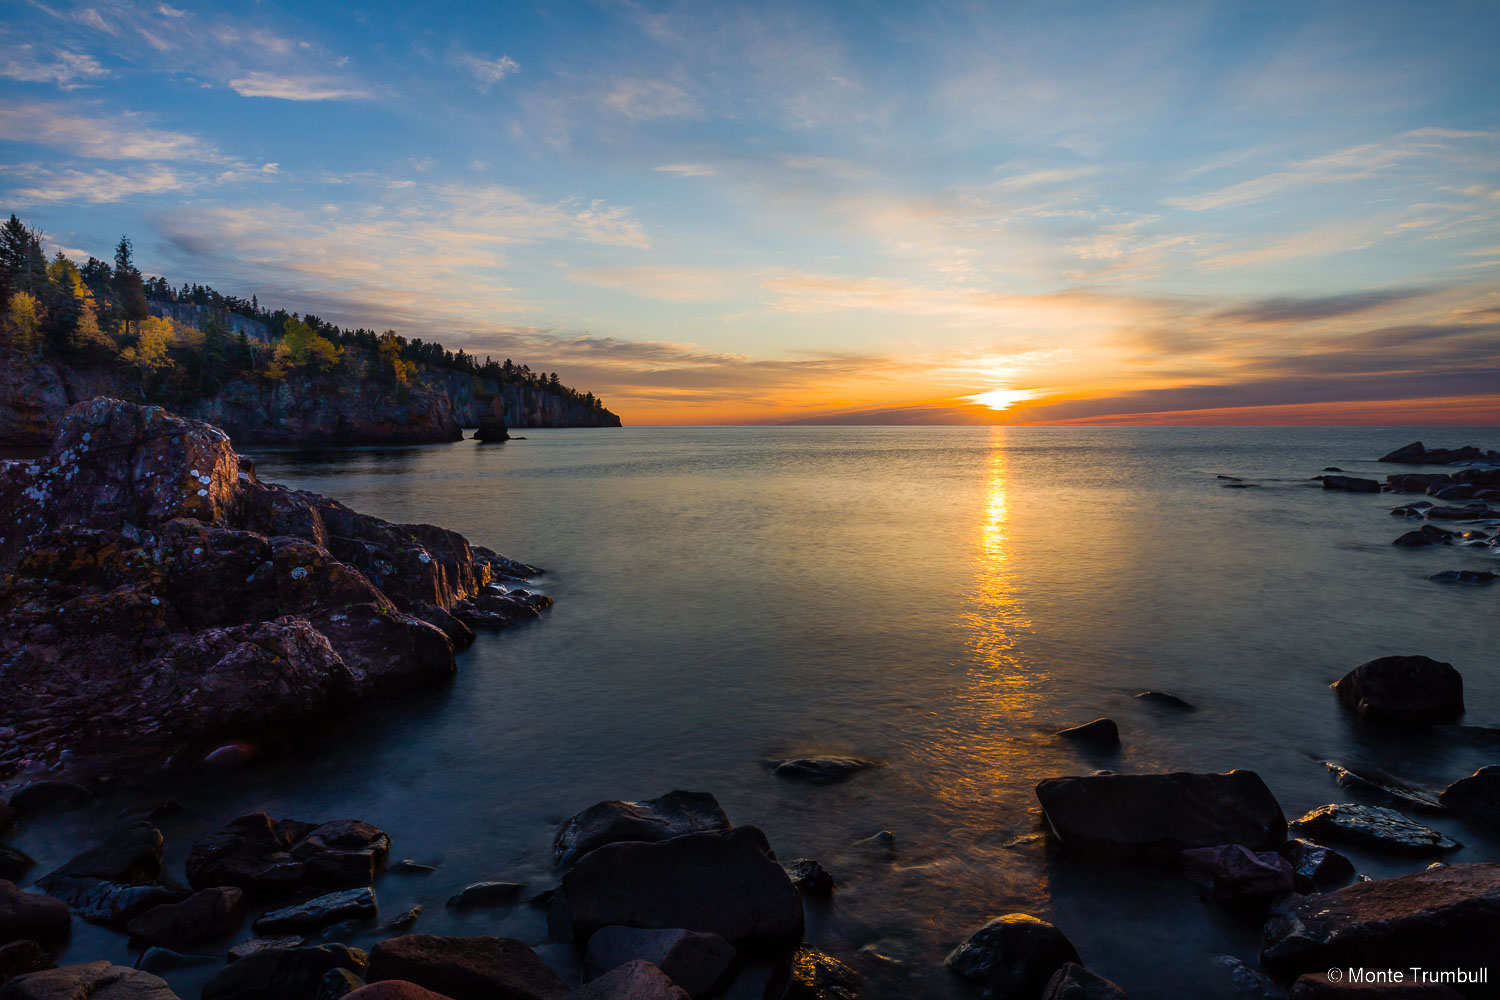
23 266
154 335
22 324
306 348
129 286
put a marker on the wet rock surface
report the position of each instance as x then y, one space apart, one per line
632 981
1443 918
810 878
724 882
1478 795
268 858
1101 733
203 916
1374 826
1013 956
88 981
1141 814
481 894
1074 982
670 815
117 880
694 960
1315 866
816 975
157 596
1237 875
824 770
1350 484
319 912
281 973
470 968
1403 692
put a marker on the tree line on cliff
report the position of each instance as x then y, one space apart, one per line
101 315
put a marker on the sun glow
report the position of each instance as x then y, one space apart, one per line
1000 399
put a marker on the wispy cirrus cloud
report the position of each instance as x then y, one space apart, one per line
30 63
39 184
295 87
83 131
486 71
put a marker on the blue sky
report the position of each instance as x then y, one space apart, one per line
714 212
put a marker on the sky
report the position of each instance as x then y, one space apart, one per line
706 213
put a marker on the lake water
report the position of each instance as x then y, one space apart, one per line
939 599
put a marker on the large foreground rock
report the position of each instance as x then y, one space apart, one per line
116 880
156 598
612 821
1442 918
723 882
472 968
637 980
1478 795
281 973
1403 692
1133 814
29 916
1013 956
203 916
1074 982
88 981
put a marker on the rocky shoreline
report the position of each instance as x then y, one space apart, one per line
663 899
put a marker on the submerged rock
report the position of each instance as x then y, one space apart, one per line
1013 956
824 770
117 880
1472 576
671 815
50 795
319 912
1375 826
1350 484
468 968
485 894
1478 795
1166 700
1385 786
725 882
810 878
1130 814
1315 866
1426 535
1099 733
1444 918
1074 982
1403 692
267 858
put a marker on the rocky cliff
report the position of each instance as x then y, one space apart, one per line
156 598
301 409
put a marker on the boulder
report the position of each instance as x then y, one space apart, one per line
1442 918
395 989
252 945
1403 692
1165 700
159 961
281 973
470 968
1099 733
497 608
1417 482
1013 956
693 960
91 980
1478 795
632 981
724 882
20 957
1314 866
1471 576
320 912
492 428
1350 484
116 880
403 921
816 975
1133 814
269 858
485 894
1375 826
1248 983
1074 982
1317 986
14 863
1238 875
338 983
823 770
51 795
1426 535
1469 512
810 878
671 815
1416 454
203 916
1389 788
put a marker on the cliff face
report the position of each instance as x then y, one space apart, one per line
300 410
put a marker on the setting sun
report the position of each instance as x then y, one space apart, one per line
1001 399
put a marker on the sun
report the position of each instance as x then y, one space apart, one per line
1000 399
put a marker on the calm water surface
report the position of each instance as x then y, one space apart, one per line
940 599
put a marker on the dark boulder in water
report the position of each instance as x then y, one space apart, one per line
1374 826
1166 700
1478 795
1428 534
670 815
1013 956
631 981
816 975
692 959
50 795
14 863
480 894
28 916
1074 982
1442 918
1134 814
116 880
268 858
824 770
98 980
203 916
281 973
492 429
724 882
1472 576
1315 866
1469 512
328 909
1416 454
1237 875
1403 692
1417 482
810 878
20 957
1350 484
1099 733
466 968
